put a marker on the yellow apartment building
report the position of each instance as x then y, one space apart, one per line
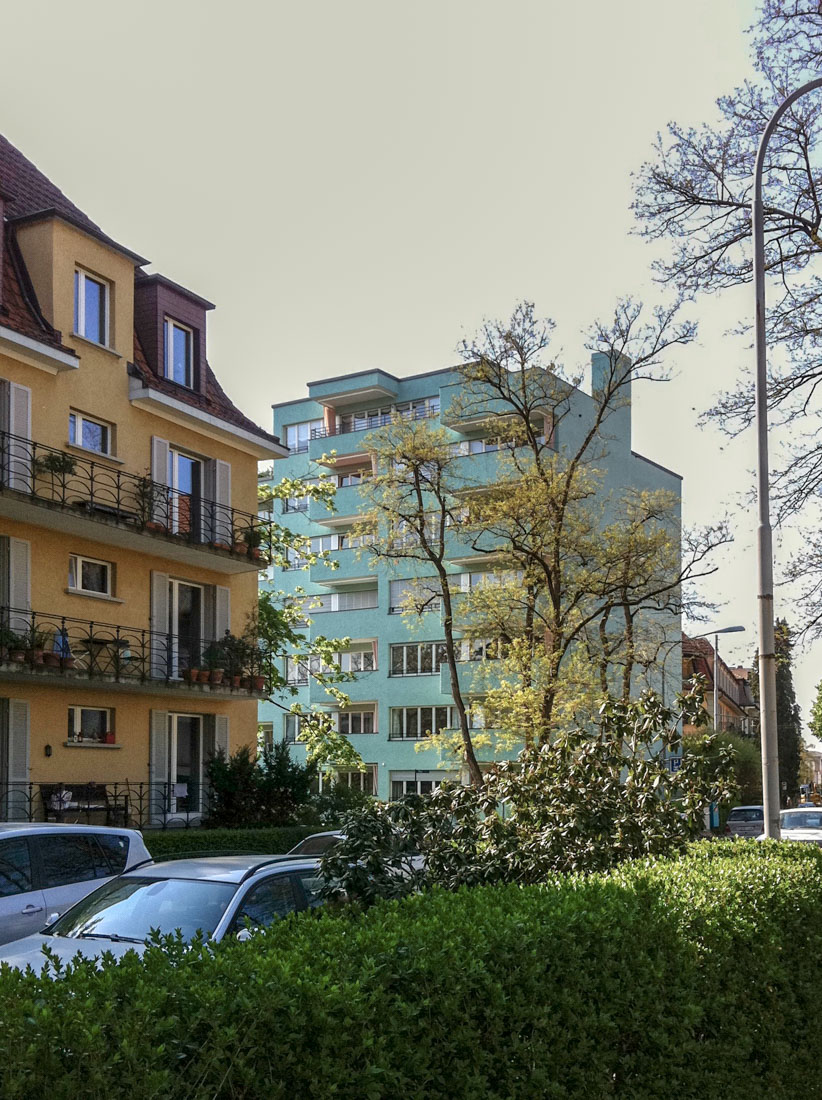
129 539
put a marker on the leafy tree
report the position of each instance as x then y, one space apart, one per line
695 194
268 790
815 723
578 803
584 584
747 761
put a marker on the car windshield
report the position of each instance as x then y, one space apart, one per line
811 819
315 845
129 908
737 816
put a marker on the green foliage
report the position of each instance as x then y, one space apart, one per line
583 802
178 843
694 977
268 790
747 761
788 715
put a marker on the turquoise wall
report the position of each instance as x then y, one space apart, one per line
622 468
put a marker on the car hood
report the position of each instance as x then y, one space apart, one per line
29 951
809 836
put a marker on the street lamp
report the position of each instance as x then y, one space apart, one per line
767 649
715 634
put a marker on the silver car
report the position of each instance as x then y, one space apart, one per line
745 821
44 869
216 896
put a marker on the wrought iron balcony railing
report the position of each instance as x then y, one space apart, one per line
96 490
44 643
167 805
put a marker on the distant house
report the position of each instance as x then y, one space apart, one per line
737 707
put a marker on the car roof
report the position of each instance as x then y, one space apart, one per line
222 868
746 808
10 828
328 832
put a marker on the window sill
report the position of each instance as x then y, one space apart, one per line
95 454
92 595
89 745
94 344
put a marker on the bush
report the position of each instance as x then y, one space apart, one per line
177 843
267 790
683 978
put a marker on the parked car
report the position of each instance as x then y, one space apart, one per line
745 821
318 843
47 868
217 896
803 823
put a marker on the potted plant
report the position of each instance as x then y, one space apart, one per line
34 642
214 659
152 504
16 645
253 537
191 675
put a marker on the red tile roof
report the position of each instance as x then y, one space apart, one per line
28 193
19 309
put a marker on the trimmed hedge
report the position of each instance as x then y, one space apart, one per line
683 978
177 843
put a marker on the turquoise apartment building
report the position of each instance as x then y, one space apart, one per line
399 689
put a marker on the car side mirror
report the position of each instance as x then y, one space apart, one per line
244 935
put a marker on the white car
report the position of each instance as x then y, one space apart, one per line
217 896
44 869
803 823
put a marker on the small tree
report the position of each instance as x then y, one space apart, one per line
582 802
268 790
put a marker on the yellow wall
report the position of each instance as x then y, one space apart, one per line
100 388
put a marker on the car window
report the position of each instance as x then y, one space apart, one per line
745 815
315 845
808 820
312 884
115 849
67 859
15 867
266 902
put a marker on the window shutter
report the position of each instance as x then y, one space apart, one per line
17 452
221 734
158 765
222 611
161 502
19 584
160 628
18 765
222 521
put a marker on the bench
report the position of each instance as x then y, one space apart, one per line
71 802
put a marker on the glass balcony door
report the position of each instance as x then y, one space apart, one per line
185 478
185 764
185 625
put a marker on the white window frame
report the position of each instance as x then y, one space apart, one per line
357 716
76 562
168 352
297 720
438 658
79 420
75 722
451 721
302 438
80 278
361 658
412 781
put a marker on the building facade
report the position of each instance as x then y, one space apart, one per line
737 710
401 687
128 507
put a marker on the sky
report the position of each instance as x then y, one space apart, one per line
359 184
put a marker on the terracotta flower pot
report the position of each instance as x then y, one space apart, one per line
216 676
202 676
190 675
235 681
51 660
69 662
18 655
258 683
35 655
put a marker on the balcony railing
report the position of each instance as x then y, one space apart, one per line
135 805
93 489
43 643
368 423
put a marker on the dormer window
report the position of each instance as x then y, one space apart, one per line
90 307
179 353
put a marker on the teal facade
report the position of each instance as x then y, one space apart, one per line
355 599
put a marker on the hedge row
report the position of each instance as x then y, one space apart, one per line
691 978
165 843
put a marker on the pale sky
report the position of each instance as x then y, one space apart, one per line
357 184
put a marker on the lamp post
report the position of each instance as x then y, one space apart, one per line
767 649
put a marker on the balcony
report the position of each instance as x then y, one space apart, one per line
93 500
136 805
350 440
353 567
55 649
